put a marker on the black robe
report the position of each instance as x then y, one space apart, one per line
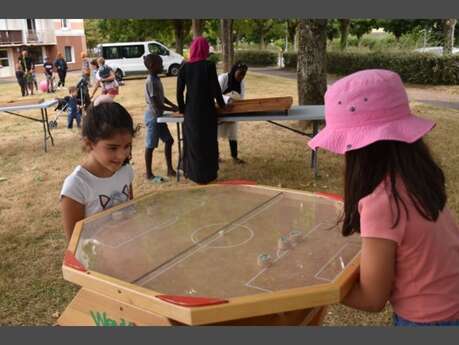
200 143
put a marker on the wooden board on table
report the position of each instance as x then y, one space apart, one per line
258 105
90 308
18 102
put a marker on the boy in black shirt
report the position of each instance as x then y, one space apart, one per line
48 66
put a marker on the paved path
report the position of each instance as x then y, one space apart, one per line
417 93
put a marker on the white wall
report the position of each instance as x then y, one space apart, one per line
13 24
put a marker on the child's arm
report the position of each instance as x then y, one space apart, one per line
131 192
95 89
377 266
181 84
174 107
72 212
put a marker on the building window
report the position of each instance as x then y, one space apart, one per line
4 58
64 23
68 54
31 25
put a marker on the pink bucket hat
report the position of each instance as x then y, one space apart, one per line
366 107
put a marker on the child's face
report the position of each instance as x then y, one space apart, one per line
73 93
111 153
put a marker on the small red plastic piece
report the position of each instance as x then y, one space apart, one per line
332 196
190 301
71 261
238 182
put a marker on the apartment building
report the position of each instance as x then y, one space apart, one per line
41 37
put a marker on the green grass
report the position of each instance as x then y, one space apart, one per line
32 241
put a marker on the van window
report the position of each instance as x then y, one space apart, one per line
110 53
154 48
136 51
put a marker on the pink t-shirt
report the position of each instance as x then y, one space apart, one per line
426 287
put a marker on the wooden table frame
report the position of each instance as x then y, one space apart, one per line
238 308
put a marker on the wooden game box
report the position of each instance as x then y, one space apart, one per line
256 106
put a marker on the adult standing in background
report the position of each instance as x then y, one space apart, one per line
233 87
200 146
26 64
61 68
85 68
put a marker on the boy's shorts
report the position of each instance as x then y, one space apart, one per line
155 131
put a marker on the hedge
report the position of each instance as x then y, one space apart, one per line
256 57
250 57
414 68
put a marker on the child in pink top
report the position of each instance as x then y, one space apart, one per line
394 195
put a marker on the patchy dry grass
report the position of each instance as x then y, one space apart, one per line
32 242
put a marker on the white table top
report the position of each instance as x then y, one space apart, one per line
42 105
296 113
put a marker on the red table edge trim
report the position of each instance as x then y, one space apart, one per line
332 196
189 301
71 261
238 182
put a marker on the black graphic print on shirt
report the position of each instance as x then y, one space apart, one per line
115 199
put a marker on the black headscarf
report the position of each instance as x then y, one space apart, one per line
233 84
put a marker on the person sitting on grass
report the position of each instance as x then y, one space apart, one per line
105 178
156 104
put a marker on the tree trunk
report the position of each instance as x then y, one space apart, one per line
262 41
179 35
448 35
226 33
291 27
296 39
311 65
196 27
344 25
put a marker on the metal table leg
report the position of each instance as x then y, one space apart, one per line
47 127
179 163
43 121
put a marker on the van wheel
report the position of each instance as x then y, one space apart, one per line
174 70
119 75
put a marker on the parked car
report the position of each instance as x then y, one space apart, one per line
127 58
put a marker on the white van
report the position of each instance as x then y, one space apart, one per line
127 58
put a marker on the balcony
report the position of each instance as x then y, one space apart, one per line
40 37
27 37
11 37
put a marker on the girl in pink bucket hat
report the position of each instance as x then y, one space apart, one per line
394 196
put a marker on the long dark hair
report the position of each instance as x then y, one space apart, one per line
367 167
233 84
